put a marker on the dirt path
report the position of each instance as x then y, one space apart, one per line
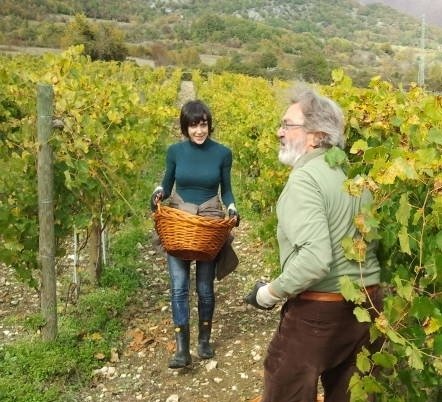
187 92
240 337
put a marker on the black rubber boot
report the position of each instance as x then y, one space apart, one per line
205 351
182 356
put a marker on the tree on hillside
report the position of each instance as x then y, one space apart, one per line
101 41
207 26
313 67
268 59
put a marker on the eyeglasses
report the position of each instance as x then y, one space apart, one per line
287 126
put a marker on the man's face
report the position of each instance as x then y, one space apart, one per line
293 141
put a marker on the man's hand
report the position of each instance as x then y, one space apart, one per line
261 298
156 196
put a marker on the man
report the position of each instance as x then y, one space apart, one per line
318 335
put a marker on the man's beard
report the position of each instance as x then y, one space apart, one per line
292 151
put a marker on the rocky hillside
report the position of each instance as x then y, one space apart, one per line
431 9
270 38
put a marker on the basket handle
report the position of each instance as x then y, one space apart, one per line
158 206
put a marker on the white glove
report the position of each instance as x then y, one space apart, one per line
157 195
231 209
265 298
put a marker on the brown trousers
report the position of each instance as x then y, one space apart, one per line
315 339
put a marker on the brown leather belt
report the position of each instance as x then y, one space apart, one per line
330 297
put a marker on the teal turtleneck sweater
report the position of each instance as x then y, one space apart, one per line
198 171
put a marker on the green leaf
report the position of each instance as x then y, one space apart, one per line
354 249
403 212
438 239
384 359
362 314
356 388
372 154
351 291
437 364
426 155
414 357
67 179
397 121
435 135
336 157
422 307
404 289
404 240
394 307
375 333
363 363
394 336
371 385
437 345
367 224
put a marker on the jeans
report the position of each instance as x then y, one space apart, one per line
179 271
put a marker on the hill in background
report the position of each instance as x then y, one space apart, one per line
287 39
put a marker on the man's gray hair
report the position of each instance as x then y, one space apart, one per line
322 115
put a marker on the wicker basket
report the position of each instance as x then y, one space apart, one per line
191 237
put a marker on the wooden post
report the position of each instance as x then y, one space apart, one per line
95 264
48 292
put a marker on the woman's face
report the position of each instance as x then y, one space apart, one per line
198 132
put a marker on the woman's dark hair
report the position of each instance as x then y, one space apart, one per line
194 112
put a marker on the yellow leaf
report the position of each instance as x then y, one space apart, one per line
401 168
359 146
413 120
437 364
432 325
381 323
130 164
96 336
114 116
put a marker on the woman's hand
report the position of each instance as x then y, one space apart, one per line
156 196
233 213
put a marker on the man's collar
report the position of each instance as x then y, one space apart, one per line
308 157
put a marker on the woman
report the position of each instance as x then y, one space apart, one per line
199 167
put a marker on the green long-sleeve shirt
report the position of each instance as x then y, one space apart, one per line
314 215
199 171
